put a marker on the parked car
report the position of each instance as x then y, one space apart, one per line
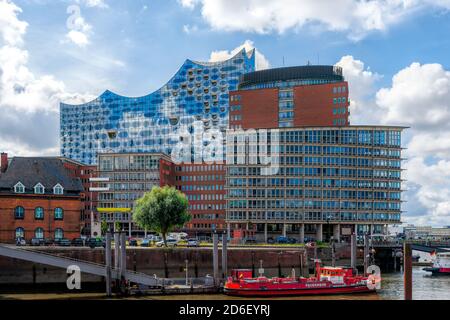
282 239
77 242
170 243
49 242
249 240
146 243
95 243
270 240
21 242
64 242
132 243
37 241
193 243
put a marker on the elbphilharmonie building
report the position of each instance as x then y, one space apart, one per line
112 123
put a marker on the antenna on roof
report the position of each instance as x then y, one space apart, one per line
318 59
283 61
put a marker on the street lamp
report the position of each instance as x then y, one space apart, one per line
95 225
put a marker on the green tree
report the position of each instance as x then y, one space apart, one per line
117 226
161 210
104 227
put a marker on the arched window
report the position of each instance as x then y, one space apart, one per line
58 189
20 232
19 212
39 188
59 214
39 213
59 233
19 188
39 233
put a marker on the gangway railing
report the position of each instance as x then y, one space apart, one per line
64 262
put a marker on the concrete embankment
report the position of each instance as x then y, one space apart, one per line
168 263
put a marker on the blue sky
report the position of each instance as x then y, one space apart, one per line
395 55
148 37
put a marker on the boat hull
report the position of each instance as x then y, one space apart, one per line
252 292
438 271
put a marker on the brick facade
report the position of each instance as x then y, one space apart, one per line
314 105
89 199
204 185
70 223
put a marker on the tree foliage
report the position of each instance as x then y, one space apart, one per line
161 210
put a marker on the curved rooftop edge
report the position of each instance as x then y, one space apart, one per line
327 72
188 62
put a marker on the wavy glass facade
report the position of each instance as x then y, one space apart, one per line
114 123
330 181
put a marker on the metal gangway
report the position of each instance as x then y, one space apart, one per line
85 266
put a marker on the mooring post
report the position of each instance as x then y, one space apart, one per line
300 257
224 256
333 253
394 254
353 251
123 254
186 269
366 253
116 251
108 263
305 263
216 258
407 267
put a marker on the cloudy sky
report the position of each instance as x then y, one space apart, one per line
395 55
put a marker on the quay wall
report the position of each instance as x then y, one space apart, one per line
169 263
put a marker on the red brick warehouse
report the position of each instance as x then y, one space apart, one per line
38 199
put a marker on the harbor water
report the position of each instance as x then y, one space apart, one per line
425 287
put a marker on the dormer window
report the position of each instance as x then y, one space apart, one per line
58 189
39 189
19 188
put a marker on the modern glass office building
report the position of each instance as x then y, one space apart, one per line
114 123
328 181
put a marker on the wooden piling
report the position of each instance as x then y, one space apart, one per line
353 251
108 264
407 273
216 258
366 253
224 256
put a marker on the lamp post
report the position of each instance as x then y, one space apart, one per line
96 189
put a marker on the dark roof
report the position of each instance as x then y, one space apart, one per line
292 73
32 170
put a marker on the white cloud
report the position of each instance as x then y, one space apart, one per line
362 86
79 29
11 28
432 189
220 55
29 103
188 3
354 17
189 29
419 97
77 37
430 144
93 3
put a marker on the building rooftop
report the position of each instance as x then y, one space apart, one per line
319 72
33 170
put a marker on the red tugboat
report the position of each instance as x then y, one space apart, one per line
327 280
441 265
